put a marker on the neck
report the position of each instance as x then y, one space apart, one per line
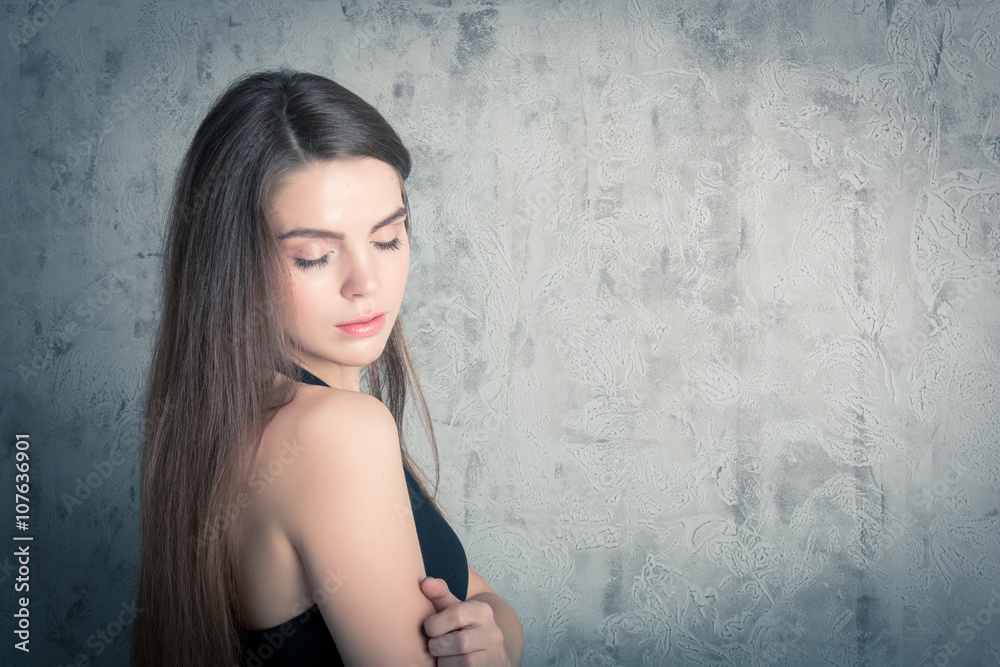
334 375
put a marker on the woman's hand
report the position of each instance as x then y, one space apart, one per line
462 633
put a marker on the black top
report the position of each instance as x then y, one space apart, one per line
305 641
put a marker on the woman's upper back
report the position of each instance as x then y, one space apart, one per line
331 517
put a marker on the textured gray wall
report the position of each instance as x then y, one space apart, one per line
705 298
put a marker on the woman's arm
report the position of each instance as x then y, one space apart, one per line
484 625
505 616
346 510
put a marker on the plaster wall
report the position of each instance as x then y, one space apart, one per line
704 296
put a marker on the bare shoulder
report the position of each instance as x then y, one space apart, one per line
325 436
327 412
344 507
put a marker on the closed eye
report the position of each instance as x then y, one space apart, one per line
391 245
311 263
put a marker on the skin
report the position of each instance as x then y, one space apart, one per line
337 280
328 520
467 633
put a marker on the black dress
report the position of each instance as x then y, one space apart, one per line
305 641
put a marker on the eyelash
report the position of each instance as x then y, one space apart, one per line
311 263
391 245
315 263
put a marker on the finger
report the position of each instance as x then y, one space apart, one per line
436 590
462 616
459 642
457 661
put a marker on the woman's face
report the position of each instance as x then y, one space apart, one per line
340 224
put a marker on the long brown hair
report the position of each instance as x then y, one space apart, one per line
220 341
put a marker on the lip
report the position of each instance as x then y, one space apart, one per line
364 326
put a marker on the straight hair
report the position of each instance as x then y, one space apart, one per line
212 387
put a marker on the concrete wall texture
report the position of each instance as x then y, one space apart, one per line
705 298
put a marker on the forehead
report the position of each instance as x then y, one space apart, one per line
336 195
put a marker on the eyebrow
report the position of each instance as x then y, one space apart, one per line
308 233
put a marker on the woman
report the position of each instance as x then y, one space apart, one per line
281 519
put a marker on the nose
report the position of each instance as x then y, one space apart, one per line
362 276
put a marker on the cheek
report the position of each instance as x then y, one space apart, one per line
302 305
401 270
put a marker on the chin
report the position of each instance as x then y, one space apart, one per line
356 353
361 356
